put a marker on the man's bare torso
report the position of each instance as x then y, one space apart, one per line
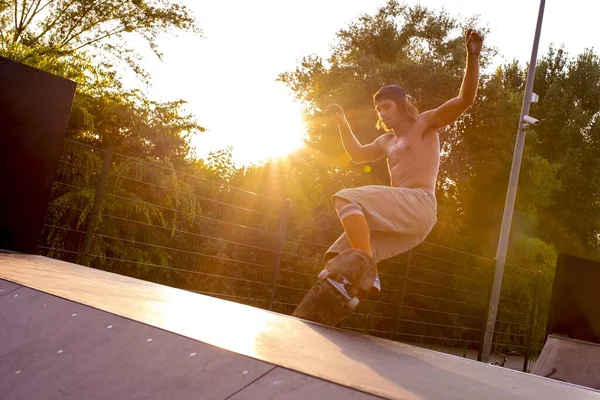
413 156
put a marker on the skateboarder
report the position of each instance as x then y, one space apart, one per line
384 221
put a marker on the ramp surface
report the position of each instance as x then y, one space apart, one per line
52 348
570 360
254 340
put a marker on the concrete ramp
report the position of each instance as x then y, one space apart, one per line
570 360
71 332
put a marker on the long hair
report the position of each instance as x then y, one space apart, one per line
405 107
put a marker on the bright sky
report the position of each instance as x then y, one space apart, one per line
228 77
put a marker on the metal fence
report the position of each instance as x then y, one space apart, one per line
175 227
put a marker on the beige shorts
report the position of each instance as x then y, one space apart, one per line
399 218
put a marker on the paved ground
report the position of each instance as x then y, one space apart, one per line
74 331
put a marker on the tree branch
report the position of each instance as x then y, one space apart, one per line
109 34
56 20
66 39
37 11
89 27
3 39
15 20
86 28
29 8
22 19
34 12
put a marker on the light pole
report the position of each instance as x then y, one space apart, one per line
524 119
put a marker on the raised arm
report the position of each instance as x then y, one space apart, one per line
357 152
453 108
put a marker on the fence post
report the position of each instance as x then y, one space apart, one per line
285 215
401 294
532 318
485 311
91 226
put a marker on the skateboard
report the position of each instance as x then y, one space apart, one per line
340 287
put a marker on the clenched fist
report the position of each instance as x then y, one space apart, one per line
337 112
474 42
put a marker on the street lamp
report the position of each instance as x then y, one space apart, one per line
524 120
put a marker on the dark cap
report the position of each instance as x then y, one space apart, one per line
390 92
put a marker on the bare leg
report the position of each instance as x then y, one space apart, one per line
355 225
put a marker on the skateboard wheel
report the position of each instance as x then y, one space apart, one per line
323 275
353 302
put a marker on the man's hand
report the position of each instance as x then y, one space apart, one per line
336 112
448 112
356 151
474 42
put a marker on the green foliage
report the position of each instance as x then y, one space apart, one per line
82 40
556 209
396 45
65 27
424 51
569 138
130 123
205 225
143 203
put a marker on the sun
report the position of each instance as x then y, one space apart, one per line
272 135
261 123
268 127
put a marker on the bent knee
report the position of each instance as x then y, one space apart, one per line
340 198
343 192
340 203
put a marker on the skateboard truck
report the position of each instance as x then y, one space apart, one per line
340 285
339 288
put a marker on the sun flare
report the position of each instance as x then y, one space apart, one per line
266 129
277 133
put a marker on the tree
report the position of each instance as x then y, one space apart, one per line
78 40
417 48
569 138
424 51
132 124
65 28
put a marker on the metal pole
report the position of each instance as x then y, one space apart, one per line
91 226
532 319
511 195
489 284
285 215
401 295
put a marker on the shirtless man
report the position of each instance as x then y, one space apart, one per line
384 221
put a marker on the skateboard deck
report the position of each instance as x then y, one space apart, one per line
340 287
